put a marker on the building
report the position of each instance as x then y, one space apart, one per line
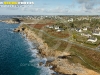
96 33
70 20
92 39
85 28
56 27
78 30
87 35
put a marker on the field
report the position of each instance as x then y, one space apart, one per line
88 58
66 42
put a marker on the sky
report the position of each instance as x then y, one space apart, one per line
54 7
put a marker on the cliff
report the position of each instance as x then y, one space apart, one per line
60 63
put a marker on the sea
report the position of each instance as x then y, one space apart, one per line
18 55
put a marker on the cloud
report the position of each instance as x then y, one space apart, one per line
88 5
58 10
45 10
37 10
83 1
97 9
71 5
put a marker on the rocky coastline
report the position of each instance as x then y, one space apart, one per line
10 22
55 58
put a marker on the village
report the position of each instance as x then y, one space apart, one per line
82 30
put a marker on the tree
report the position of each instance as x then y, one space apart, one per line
72 25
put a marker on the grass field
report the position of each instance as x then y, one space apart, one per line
91 57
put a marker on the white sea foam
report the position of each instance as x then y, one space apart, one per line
36 59
10 30
46 71
43 69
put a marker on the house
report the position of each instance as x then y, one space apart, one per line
85 28
59 30
92 39
47 26
56 27
70 20
78 30
97 28
96 33
87 35
50 26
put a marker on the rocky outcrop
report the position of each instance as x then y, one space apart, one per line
43 47
65 67
11 21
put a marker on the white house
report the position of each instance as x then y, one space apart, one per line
92 39
59 30
87 35
48 26
56 27
96 33
85 28
51 27
97 28
78 30
70 20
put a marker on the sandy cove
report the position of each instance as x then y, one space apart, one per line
62 66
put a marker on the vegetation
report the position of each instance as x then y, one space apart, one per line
86 56
16 19
91 57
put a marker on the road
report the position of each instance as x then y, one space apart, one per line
67 40
70 42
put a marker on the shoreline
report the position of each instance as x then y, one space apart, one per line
41 62
62 66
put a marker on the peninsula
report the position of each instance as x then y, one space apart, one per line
70 43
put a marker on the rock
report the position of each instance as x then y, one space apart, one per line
16 30
41 63
74 74
50 59
62 57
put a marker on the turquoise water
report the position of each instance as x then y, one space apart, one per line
16 55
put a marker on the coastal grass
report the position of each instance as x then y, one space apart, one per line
88 58
63 34
52 41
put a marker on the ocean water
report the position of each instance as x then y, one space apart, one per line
17 56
